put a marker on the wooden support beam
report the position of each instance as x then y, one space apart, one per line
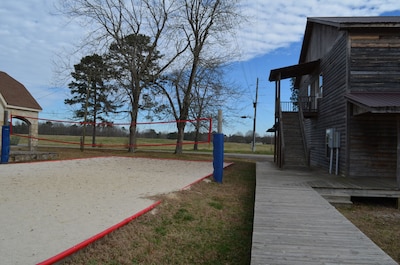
398 153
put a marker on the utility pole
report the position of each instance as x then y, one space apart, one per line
253 146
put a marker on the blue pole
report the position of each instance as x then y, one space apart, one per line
5 144
218 154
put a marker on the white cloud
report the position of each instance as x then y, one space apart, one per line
30 37
276 24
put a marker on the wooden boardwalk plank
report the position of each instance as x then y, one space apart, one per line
293 224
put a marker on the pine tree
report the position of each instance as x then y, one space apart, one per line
92 92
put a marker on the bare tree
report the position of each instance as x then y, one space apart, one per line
210 93
205 24
111 21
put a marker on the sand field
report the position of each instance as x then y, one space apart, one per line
48 207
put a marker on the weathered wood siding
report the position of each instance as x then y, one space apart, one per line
321 41
374 62
331 107
373 146
362 62
375 67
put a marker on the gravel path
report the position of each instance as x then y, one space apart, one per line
48 207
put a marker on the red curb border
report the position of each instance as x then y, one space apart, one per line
201 179
90 240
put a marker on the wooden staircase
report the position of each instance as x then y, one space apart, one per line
295 155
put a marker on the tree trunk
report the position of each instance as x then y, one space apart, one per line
135 91
132 137
179 141
94 128
94 135
132 131
94 115
185 109
196 136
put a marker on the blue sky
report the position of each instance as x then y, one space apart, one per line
33 39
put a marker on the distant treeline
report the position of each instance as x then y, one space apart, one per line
109 130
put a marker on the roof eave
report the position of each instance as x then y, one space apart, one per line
293 70
358 22
22 108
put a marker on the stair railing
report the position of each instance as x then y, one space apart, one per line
303 134
281 142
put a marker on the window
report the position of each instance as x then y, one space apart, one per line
314 92
320 86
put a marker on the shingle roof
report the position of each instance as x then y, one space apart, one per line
15 93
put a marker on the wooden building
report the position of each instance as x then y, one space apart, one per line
348 108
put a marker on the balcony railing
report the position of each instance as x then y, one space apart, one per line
307 104
289 106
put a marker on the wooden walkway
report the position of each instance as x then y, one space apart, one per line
293 224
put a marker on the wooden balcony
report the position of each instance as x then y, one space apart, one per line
308 106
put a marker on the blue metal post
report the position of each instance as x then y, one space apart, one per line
218 153
5 144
